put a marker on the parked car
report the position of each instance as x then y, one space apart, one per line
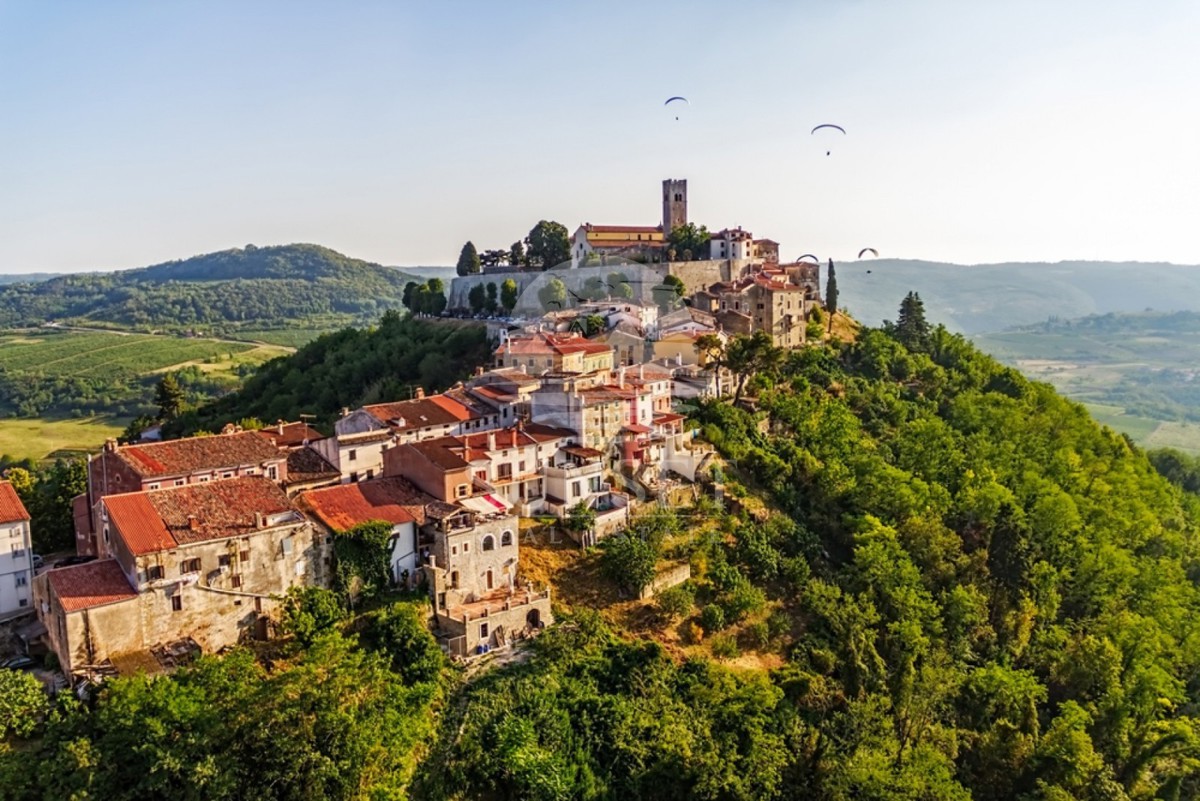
74 560
38 561
19 663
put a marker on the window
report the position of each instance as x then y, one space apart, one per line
466 547
441 600
189 566
460 491
504 473
18 552
176 603
154 573
353 477
22 580
352 455
227 474
489 543
454 578
237 581
521 467
223 560
244 556
575 489
205 479
483 631
153 486
179 482
273 472
23 602
506 538
370 474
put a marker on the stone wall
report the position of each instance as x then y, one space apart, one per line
697 275
669 577
648 276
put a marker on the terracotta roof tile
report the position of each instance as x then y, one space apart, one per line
163 519
290 435
346 505
93 584
435 410
305 465
11 508
622 229
178 456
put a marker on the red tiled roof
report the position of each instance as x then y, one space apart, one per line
435 410
11 508
305 465
544 343
137 523
162 519
347 505
178 456
93 584
622 229
290 435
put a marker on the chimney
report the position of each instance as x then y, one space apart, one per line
259 520
641 372
110 445
479 371
491 440
621 376
420 393
193 523
280 424
345 411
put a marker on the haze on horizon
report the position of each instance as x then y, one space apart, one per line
136 133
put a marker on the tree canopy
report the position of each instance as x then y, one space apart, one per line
548 245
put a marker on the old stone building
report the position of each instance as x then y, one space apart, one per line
174 463
472 570
204 561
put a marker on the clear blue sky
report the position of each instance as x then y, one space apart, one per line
133 133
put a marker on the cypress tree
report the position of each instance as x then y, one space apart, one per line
831 292
468 260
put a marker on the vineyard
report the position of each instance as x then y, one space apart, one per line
97 354
72 389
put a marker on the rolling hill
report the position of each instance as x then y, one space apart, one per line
243 289
992 297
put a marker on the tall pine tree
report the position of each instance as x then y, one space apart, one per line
911 328
468 260
169 397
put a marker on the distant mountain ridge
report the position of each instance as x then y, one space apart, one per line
239 288
993 297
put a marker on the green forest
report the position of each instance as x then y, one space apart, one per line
349 368
251 288
969 588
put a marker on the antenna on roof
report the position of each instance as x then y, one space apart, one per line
306 417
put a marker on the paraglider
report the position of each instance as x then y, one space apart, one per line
677 99
809 256
828 125
872 251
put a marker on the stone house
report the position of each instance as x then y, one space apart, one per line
472 570
203 561
173 463
364 434
391 500
542 352
16 554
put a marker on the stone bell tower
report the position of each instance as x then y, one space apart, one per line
674 205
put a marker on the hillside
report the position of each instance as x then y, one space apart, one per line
954 585
348 368
1136 372
241 290
993 297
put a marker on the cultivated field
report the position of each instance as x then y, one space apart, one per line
39 439
77 353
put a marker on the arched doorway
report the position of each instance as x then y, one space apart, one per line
533 619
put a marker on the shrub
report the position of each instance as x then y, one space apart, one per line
629 561
676 602
758 634
309 611
724 646
712 618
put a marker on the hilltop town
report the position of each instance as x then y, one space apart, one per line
191 545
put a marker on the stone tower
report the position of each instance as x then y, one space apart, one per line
674 205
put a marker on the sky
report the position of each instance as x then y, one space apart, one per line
136 133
